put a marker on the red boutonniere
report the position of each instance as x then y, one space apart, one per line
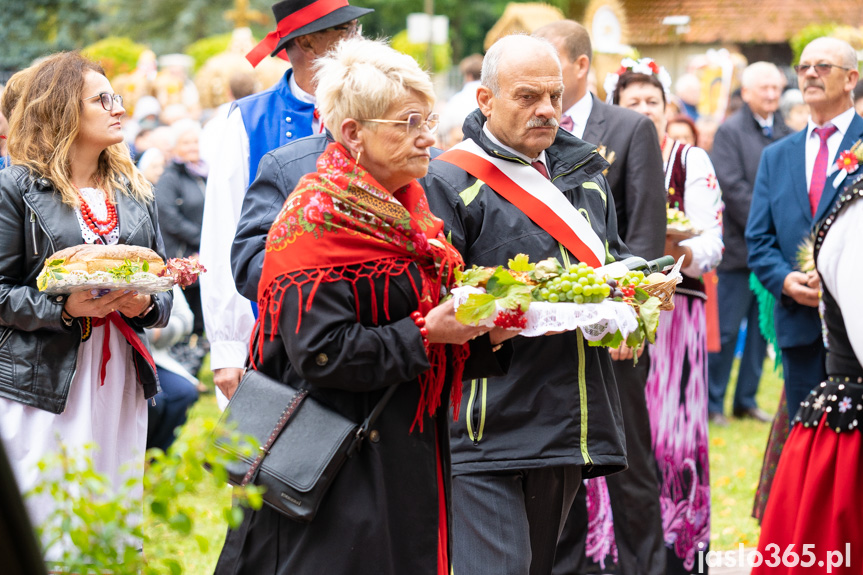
848 162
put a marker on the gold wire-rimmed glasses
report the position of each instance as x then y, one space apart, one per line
414 122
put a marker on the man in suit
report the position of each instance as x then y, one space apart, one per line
736 152
637 184
795 187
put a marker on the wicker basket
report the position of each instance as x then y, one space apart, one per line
664 291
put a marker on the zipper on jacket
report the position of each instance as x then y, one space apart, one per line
6 335
474 431
33 229
33 218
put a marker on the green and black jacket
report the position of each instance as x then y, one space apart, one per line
558 404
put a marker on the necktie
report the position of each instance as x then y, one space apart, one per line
540 167
567 123
819 170
767 131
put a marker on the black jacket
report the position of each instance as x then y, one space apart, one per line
539 414
736 154
180 199
38 353
381 512
635 176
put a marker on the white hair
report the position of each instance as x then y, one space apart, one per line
491 62
361 79
757 70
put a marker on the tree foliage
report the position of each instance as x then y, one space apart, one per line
39 27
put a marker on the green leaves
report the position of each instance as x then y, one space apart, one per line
128 268
476 276
101 523
478 307
520 263
648 312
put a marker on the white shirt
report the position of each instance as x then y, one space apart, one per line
703 207
539 158
813 142
228 315
841 272
764 123
580 113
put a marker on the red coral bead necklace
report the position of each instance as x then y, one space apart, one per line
98 226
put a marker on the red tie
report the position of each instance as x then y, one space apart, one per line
567 123
819 171
540 167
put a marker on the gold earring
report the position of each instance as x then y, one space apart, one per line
359 155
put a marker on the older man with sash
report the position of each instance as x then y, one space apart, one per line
522 442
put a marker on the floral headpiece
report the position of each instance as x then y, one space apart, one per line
641 66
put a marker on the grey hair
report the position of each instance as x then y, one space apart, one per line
757 70
790 99
361 78
491 62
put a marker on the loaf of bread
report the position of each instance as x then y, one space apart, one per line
91 258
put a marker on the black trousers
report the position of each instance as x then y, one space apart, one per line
508 522
634 493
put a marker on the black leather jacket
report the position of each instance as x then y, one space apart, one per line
38 353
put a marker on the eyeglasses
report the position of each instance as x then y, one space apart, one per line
108 100
414 122
820 69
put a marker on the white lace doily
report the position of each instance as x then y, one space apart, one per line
595 319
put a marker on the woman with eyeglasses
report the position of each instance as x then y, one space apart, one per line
69 374
350 302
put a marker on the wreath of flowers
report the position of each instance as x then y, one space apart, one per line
645 66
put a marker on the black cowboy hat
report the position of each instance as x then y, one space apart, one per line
287 8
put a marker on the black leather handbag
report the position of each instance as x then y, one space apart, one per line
303 443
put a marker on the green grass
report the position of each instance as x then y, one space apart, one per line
736 452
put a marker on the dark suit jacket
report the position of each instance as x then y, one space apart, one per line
736 152
779 220
635 177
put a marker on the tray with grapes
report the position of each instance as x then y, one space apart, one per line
547 297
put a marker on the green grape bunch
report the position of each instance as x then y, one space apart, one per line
577 284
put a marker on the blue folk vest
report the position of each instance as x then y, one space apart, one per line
273 118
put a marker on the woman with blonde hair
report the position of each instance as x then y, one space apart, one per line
350 301
73 369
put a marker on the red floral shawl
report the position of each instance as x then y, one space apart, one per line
340 216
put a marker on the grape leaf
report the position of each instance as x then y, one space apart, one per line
641 295
520 263
499 282
476 308
516 296
649 313
476 276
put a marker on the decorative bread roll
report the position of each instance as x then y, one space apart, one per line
92 258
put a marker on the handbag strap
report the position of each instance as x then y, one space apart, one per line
289 411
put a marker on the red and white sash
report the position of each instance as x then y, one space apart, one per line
539 199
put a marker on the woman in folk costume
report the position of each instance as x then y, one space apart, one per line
350 302
815 499
676 390
73 369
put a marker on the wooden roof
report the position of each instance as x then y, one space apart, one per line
735 21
